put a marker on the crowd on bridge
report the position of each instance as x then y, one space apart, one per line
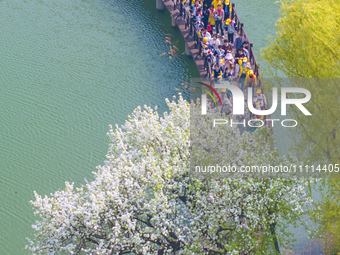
224 48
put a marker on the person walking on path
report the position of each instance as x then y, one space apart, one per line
239 41
217 72
199 15
229 59
212 17
246 49
219 14
194 8
205 33
226 45
227 8
230 28
206 4
214 41
242 74
231 73
251 80
239 55
206 13
261 99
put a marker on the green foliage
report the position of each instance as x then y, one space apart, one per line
327 215
307 45
307 41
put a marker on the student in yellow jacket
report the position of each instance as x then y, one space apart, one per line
242 74
248 68
212 16
216 3
217 72
243 67
251 77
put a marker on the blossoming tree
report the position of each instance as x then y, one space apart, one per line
145 200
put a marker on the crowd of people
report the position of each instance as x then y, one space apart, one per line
224 49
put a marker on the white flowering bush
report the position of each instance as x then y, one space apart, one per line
145 200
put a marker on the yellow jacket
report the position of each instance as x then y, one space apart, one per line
211 17
248 79
193 2
216 3
220 74
240 62
247 68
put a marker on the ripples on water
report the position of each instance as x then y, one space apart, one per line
68 70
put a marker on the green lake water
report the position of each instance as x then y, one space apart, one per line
68 69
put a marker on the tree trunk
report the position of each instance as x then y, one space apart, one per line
276 243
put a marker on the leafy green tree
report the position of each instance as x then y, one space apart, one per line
145 200
307 41
307 45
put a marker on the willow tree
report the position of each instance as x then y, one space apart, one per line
307 40
307 46
145 199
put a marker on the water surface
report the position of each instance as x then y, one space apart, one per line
68 70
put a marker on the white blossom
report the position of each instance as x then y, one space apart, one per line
144 200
